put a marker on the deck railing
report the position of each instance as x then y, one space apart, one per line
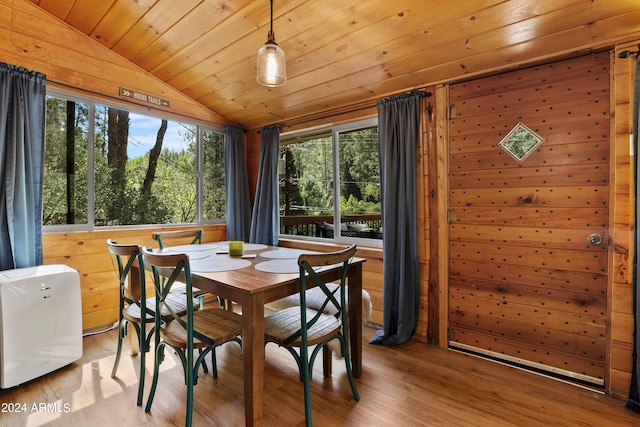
356 225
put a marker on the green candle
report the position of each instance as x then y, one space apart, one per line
236 248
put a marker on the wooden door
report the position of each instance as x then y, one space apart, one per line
527 283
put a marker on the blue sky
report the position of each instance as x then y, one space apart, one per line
143 131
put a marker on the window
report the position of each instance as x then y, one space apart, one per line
144 168
317 169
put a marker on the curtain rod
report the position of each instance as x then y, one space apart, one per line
348 109
144 106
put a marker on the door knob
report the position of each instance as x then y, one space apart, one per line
595 239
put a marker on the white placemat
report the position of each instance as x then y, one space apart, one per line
284 253
197 255
218 263
283 266
192 248
192 255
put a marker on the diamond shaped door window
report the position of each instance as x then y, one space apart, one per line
520 142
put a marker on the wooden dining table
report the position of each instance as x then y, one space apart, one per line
255 280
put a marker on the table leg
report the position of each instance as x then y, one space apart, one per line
355 317
253 359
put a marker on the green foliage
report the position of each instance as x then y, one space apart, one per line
306 175
353 205
213 180
360 170
309 177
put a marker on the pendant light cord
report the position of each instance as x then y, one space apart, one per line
271 21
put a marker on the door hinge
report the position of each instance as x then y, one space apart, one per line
451 216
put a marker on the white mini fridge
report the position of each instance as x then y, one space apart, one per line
40 322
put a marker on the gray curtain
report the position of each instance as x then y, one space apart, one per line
265 220
398 129
633 402
22 115
238 207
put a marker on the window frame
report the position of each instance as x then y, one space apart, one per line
91 176
334 131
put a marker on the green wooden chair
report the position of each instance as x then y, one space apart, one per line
299 328
137 310
197 329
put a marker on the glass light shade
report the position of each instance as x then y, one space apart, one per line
272 69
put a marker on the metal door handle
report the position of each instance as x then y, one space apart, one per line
595 239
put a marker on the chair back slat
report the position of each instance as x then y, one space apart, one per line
173 267
162 236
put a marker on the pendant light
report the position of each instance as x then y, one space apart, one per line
272 69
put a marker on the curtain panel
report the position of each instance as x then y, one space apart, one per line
398 133
22 127
238 206
265 219
633 402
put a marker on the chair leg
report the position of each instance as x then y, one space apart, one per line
347 362
143 351
121 325
214 363
159 356
327 359
205 368
306 382
189 373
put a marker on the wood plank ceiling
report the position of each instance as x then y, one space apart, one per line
339 53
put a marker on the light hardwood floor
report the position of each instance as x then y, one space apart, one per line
409 385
